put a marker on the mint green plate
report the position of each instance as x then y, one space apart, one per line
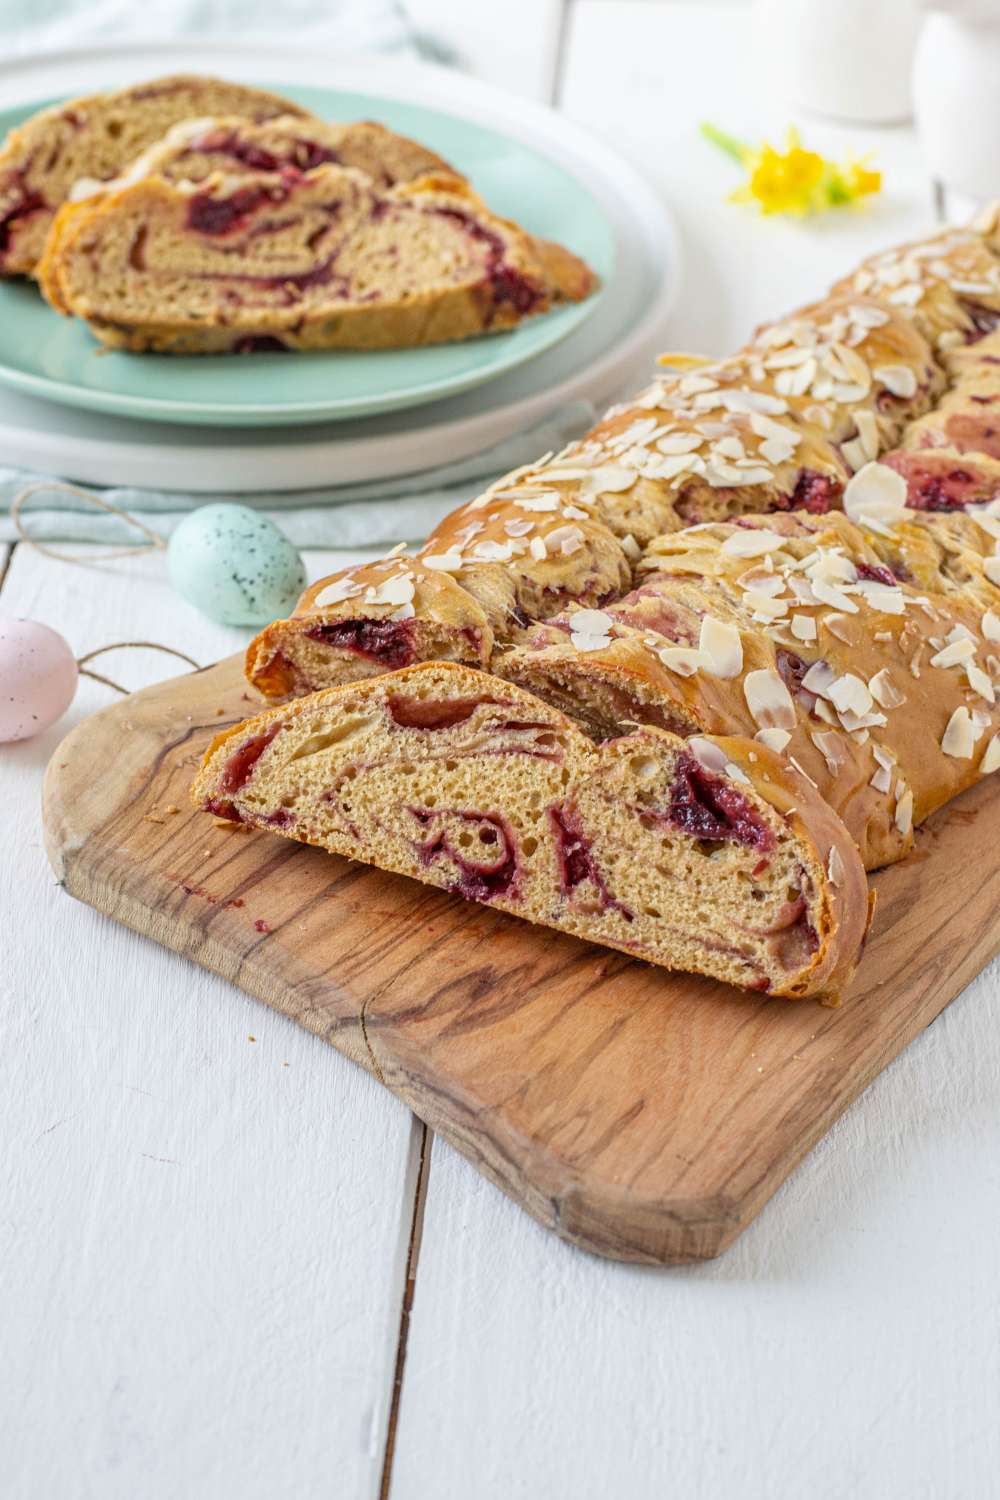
58 358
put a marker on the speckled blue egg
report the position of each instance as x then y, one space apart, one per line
235 565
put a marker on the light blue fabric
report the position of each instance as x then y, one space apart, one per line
388 510
349 516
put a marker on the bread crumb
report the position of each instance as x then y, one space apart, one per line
250 1037
171 808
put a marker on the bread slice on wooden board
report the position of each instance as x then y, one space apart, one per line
800 631
290 260
192 150
711 856
95 138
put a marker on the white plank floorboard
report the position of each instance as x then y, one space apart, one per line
643 76
846 1348
202 1238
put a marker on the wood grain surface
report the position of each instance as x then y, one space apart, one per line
641 1115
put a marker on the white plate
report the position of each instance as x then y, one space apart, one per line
602 358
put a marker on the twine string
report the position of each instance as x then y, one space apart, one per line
85 671
154 543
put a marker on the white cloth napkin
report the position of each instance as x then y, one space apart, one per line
401 509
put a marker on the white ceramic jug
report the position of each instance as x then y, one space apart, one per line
956 93
851 59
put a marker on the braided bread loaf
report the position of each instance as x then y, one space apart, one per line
869 657
782 425
714 856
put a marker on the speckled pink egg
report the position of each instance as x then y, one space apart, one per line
38 674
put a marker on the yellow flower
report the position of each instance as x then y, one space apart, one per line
783 183
795 181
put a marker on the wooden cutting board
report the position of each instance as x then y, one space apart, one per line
639 1114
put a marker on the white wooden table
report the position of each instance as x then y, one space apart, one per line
231 1265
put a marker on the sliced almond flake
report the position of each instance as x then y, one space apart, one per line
751 542
768 699
582 641
903 816
819 679
764 605
396 590
899 379
796 382
884 597
680 442
721 647
837 626
959 739
882 779
991 567
849 693
958 651
538 549
804 627
826 593
523 527
404 612
574 513
856 454
980 683
490 551
827 742
707 753
591 621
610 480
908 295
775 451
835 871
884 690
396 551
774 739
538 504
875 493
670 467
990 625
991 757
868 432
443 562
568 539
684 660
336 593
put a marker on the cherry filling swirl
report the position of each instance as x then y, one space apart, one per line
481 846
388 642
711 807
576 862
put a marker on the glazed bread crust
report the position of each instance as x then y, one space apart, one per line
316 260
713 856
95 138
813 636
783 425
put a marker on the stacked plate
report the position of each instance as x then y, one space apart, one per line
279 422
